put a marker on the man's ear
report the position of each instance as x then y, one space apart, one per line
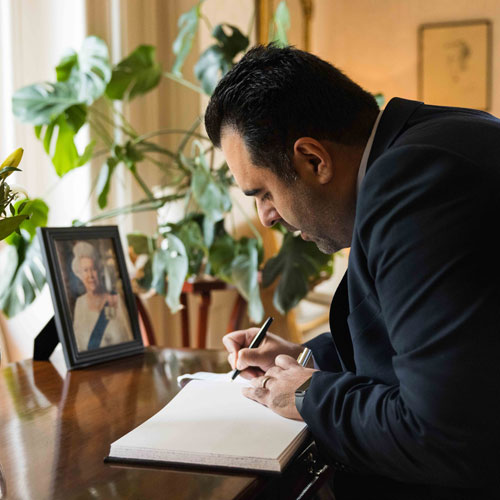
312 158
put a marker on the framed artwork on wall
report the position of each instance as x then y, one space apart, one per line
94 307
455 64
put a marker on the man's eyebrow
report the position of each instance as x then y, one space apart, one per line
252 192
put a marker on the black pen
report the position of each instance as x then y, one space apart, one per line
257 340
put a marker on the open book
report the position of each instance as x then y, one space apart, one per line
211 423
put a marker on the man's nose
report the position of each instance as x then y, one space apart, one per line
268 215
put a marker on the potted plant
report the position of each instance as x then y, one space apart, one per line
198 244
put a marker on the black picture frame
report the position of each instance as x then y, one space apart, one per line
455 63
94 307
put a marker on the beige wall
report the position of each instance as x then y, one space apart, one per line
375 41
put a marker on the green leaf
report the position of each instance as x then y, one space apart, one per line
104 181
188 26
298 264
159 272
189 232
135 75
218 59
36 213
22 277
41 103
211 195
66 64
221 255
6 171
281 23
92 72
76 116
10 224
141 244
82 79
244 274
64 154
170 260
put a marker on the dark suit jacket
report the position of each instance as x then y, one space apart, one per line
416 321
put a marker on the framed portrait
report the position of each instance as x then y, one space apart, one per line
455 64
94 307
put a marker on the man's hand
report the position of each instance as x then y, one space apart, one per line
255 362
279 391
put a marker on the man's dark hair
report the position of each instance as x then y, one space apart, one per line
274 96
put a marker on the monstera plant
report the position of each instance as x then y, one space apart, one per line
86 87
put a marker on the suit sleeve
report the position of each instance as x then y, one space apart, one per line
324 352
426 220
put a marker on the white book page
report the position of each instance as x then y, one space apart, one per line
211 422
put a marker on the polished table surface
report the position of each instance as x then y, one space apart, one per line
56 429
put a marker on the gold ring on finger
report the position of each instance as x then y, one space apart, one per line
264 381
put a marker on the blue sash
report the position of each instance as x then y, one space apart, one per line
98 331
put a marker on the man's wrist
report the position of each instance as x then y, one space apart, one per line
300 394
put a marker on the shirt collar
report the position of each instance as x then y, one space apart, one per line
366 153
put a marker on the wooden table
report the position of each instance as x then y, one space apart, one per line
55 431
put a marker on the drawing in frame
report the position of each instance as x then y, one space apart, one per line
94 307
455 64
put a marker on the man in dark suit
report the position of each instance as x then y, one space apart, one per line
404 395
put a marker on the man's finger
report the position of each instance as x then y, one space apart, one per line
274 371
231 358
251 373
284 361
263 380
248 357
238 339
234 341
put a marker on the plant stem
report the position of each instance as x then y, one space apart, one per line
184 82
124 120
166 131
101 131
141 183
111 122
207 22
190 133
140 206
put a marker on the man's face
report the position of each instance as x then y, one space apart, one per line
304 205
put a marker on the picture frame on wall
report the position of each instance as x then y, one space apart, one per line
455 64
94 307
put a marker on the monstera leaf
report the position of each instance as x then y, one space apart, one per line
218 59
170 260
188 26
237 262
88 71
59 140
135 75
81 79
244 275
298 264
23 272
41 103
59 110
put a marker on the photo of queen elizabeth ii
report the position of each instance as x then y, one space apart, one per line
94 292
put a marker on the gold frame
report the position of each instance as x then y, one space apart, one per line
455 64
